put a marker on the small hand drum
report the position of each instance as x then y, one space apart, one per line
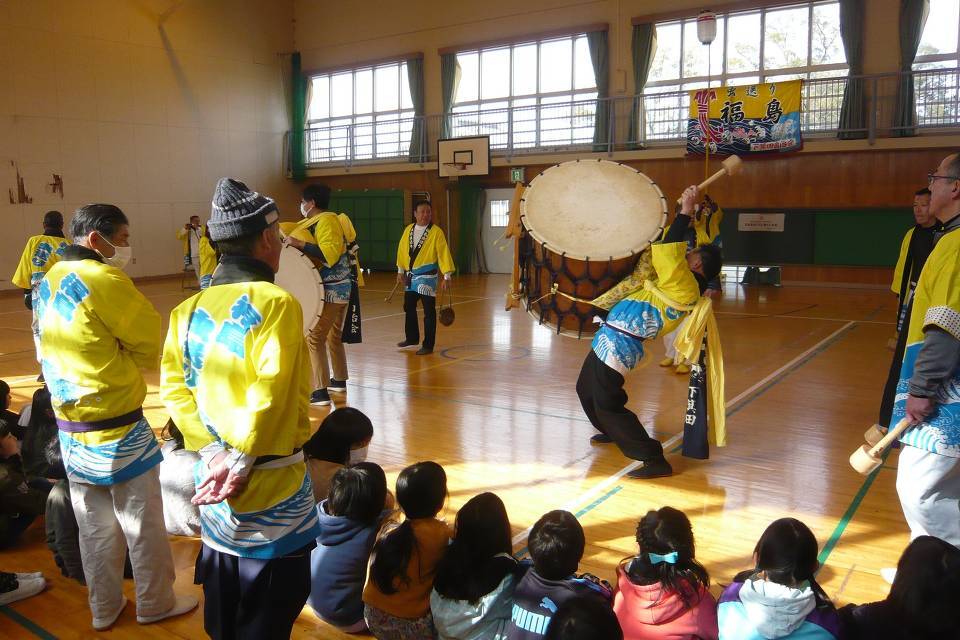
446 316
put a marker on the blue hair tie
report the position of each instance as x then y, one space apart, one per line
670 558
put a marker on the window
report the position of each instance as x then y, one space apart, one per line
363 113
761 45
935 90
529 95
499 213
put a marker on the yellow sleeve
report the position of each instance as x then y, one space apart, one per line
901 262
443 254
346 225
21 277
208 257
131 319
674 277
280 370
329 237
174 393
403 253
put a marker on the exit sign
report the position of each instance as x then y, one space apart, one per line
516 174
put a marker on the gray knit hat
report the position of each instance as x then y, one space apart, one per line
237 211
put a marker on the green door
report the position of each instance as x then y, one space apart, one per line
377 216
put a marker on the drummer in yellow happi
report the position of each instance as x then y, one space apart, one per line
643 309
422 256
40 253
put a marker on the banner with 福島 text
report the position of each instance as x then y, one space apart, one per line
756 118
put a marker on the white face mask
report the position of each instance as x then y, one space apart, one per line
305 209
121 255
358 455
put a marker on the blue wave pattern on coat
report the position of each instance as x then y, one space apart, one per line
940 432
289 525
114 462
615 348
425 280
336 281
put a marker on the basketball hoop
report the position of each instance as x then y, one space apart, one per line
459 166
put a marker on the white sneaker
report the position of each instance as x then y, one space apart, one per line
29 576
102 624
26 587
888 574
184 604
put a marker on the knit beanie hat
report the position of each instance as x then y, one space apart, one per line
238 212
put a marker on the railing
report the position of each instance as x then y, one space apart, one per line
661 120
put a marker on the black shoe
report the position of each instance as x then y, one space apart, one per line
601 438
337 386
424 351
320 398
658 468
406 344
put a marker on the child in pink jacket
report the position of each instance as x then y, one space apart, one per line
662 593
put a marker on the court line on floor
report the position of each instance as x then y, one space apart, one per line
579 514
27 623
767 315
401 313
737 403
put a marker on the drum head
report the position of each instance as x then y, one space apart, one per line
594 209
301 280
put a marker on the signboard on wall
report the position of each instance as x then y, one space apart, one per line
747 120
761 222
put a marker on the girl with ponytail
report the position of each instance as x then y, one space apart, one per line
662 592
405 557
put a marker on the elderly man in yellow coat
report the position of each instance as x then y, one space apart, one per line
422 256
928 394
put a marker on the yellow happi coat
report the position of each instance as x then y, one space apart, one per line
235 373
41 253
434 258
96 332
936 303
208 262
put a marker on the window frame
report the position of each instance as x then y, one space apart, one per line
398 126
541 101
723 78
938 57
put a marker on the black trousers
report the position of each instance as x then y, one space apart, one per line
601 393
247 598
412 325
893 376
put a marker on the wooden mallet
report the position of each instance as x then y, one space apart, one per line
874 434
867 459
731 167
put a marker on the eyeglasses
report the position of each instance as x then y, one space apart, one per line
932 176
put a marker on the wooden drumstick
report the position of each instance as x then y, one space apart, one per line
392 291
731 167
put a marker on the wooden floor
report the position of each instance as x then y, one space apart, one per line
495 405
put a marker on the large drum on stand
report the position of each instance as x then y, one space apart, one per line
587 222
301 279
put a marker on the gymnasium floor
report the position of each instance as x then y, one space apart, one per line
495 405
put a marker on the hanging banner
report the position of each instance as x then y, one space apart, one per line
758 118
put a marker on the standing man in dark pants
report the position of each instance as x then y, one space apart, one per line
421 256
914 250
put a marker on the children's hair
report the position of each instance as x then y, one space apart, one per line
4 391
41 408
787 554
924 593
54 457
172 433
712 259
584 618
340 431
662 532
421 492
319 193
471 568
358 493
556 545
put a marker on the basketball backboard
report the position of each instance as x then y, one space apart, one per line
463 156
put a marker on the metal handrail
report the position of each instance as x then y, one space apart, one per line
558 127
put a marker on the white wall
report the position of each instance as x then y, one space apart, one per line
138 116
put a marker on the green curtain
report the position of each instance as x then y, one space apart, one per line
471 195
600 57
853 113
913 15
643 47
449 79
298 151
418 142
